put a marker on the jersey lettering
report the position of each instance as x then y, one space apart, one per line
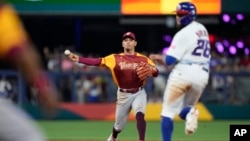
203 48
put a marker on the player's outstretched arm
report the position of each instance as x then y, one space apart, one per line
83 60
72 56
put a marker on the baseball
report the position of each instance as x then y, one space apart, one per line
66 52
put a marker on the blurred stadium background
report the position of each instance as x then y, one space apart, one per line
94 28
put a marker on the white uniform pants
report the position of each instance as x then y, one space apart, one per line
184 88
126 102
15 125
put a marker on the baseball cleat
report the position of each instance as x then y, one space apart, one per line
111 138
192 121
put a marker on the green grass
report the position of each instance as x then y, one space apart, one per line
100 130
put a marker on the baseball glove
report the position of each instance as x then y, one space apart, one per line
144 70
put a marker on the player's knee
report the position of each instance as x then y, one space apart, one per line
139 116
168 113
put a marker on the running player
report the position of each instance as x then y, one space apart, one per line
16 49
190 53
130 93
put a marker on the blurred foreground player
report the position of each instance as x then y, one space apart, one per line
189 52
16 49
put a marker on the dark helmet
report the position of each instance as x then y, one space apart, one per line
187 11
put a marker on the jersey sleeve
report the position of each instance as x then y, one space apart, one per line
178 46
12 33
151 62
108 61
146 59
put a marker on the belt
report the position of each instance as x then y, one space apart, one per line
203 68
132 90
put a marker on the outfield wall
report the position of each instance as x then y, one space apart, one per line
107 112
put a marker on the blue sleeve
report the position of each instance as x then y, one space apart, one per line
169 60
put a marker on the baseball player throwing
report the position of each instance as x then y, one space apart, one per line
129 71
190 53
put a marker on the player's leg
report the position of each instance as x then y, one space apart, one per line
123 107
187 106
189 112
172 102
17 125
139 107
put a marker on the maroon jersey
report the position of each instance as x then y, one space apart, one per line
123 68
